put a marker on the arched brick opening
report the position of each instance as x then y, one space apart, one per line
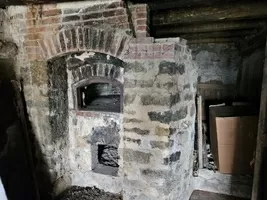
112 42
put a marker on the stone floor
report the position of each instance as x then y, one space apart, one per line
233 185
203 195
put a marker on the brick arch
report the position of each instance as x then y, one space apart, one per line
112 42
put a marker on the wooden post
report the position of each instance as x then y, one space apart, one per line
262 131
200 135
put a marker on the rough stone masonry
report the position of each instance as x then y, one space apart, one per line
68 46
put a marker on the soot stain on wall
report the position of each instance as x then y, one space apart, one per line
58 97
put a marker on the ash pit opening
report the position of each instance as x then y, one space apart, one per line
107 160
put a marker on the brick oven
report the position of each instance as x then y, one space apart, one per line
109 106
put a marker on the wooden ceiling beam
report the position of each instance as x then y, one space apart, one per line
208 27
237 11
214 40
166 4
222 34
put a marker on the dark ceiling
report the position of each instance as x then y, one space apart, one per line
205 21
198 21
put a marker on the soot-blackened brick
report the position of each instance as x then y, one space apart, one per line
74 37
71 18
92 16
58 97
62 41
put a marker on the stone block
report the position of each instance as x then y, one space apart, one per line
138 131
174 157
188 97
166 67
129 98
171 68
155 173
138 141
160 100
159 144
135 67
133 83
131 120
187 86
130 155
168 116
175 98
39 73
180 114
161 131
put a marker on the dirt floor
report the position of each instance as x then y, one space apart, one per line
87 193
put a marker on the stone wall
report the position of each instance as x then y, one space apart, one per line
159 115
216 62
250 76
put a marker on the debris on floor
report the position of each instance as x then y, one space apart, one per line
87 193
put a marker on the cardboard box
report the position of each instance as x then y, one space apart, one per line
233 134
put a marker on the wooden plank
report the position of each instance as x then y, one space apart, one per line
208 27
220 34
214 40
200 134
262 131
160 5
226 12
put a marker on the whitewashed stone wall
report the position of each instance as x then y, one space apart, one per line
159 115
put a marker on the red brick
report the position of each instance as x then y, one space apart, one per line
120 12
35 57
141 8
109 13
124 26
141 22
33 36
115 5
141 15
32 50
157 55
41 29
50 20
118 20
30 43
141 28
31 15
142 47
54 12
31 22
50 47
169 54
157 47
142 34
168 47
150 55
